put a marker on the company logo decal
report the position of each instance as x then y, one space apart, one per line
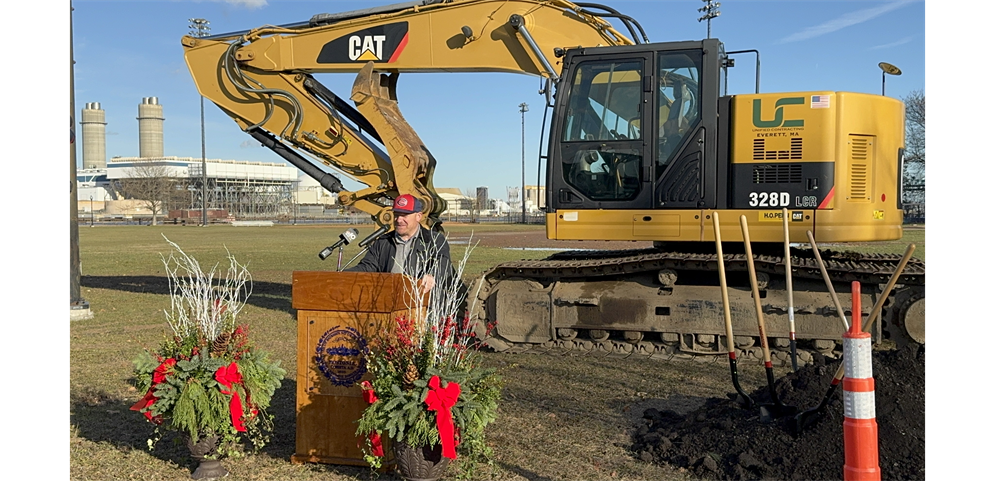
778 120
383 43
777 216
341 355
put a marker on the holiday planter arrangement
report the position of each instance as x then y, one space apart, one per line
429 395
206 380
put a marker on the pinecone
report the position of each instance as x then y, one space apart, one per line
411 375
220 345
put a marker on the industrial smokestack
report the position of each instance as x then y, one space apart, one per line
94 136
150 128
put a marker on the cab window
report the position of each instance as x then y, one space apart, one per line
679 101
602 148
605 102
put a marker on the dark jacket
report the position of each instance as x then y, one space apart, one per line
429 255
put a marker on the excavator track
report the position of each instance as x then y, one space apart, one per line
666 304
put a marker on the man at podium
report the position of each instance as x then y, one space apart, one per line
410 249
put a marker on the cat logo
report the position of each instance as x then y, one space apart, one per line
366 48
382 43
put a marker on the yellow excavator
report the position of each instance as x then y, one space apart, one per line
642 146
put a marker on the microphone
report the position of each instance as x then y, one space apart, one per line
372 237
344 239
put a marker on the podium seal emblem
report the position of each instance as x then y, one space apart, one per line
341 355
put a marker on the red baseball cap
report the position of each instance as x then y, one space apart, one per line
408 204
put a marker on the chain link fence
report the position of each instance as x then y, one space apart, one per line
914 213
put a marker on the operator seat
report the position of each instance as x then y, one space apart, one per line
676 124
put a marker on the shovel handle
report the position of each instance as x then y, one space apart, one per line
722 283
791 292
787 270
887 289
829 283
756 289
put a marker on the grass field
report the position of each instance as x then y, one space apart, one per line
562 417
913 234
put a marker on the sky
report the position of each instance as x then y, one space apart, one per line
127 50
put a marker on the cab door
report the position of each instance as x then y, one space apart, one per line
685 108
601 157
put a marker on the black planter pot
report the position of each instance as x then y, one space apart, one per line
206 468
420 463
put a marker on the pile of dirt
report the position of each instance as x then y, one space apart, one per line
722 440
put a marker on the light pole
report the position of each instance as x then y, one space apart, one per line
523 107
710 10
200 27
91 211
887 68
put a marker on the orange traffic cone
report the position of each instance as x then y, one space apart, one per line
860 428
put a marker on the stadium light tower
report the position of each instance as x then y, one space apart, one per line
200 27
710 10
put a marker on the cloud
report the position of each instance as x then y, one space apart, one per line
111 133
847 20
250 4
248 144
893 44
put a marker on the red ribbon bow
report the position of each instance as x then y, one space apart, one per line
376 443
158 376
442 400
228 376
368 395
371 397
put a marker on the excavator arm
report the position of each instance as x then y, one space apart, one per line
264 79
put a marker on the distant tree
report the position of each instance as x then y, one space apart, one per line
915 125
150 183
914 177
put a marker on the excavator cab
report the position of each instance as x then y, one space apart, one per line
643 147
635 128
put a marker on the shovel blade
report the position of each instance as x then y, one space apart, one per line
806 419
769 412
742 401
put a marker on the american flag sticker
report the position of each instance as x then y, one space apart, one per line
820 101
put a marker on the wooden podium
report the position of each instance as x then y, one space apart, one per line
337 316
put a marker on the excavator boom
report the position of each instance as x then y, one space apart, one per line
264 79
